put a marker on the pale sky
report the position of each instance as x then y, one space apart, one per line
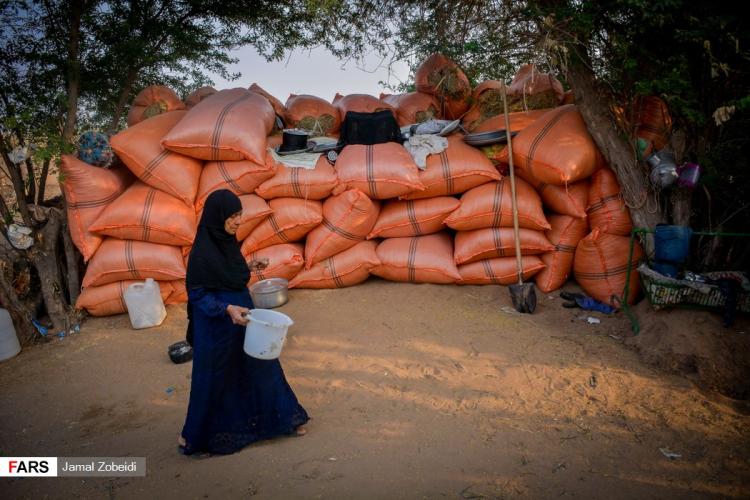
313 72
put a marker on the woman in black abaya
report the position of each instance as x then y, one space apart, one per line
235 399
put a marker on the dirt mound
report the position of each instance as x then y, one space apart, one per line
696 344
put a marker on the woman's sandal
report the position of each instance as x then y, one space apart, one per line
300 431
184 449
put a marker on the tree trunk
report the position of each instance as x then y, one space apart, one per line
595 108
71 260
122 101
43 182
43 255
20 312
73 75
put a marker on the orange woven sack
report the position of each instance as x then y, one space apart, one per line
381 171
519 120
295 182
198 95
492 242
290 221
347 218
254 211
118 260
414 107
278 106
284 261
454 171
534 90
601 265
88 191
348 268
403 219
144 213
140 149
442 77
421 259
565 200
108 300
606 209
312 113
231 126
179 294
360 103
557 148
565 234
490 205
152 101
487 100
652 120
500 271
240 177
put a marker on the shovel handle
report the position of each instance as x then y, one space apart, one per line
519 263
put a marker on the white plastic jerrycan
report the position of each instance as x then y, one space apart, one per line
145 305
9 345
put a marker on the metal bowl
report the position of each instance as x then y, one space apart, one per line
270 293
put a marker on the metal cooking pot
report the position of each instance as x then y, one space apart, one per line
270 293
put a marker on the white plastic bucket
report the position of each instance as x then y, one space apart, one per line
9 345
265 333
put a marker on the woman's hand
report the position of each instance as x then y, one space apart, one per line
237 313
258 264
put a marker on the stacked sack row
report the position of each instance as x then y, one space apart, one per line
372 212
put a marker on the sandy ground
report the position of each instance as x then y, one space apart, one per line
416 391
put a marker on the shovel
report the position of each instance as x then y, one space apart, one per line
522 294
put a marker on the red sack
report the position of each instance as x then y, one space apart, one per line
348 268
403 219
500 271
144 213
232 125
606 209
295 182
108 300
88 191
414 107
284 261
240 177
381 171
278 106
139 147
198 95
534 90
454 171
565 234
601 266
152 101
360 103
290 221
118 260
421 259
565 200
557 148
347 218
442 77
492 242
312 113
254 211
652 120
490 205
179 294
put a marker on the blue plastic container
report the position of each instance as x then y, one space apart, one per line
665 268
672 243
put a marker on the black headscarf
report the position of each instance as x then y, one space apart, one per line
215 259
